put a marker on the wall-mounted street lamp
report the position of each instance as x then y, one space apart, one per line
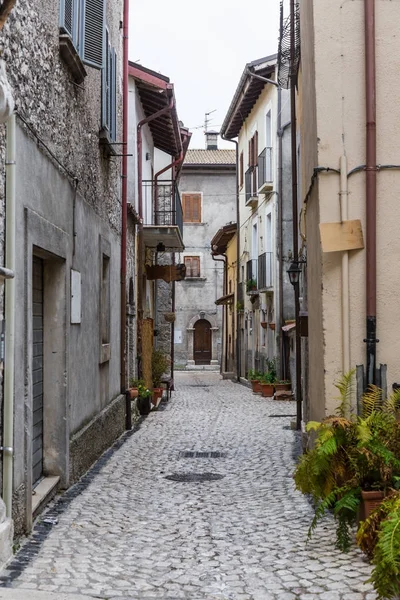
294 272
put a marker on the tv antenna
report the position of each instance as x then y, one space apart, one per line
207 120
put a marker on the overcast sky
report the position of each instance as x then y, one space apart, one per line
203 48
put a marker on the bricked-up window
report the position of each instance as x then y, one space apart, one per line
84 22
241 169
191 204
192 264
109 93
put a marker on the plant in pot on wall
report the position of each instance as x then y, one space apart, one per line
351 455
159 364
251 285
143 402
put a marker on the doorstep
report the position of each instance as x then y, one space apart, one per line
43 493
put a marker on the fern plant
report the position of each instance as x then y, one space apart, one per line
350 453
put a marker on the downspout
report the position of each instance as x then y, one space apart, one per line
8 423
237 333
295 211
370 94
280 235
124 209
223 259
344 215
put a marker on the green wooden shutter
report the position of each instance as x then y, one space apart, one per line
105 86
93 32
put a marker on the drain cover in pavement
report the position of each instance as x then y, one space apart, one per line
280 416
190 454
194 477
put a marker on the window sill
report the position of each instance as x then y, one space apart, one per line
194 278
106 143
71 58
191 224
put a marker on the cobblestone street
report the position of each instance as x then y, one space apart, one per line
126 531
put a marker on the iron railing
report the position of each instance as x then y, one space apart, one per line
265 167
251 275
250 183
265 274
162 204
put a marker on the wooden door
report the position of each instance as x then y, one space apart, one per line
202 342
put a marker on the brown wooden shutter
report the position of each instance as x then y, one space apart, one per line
241 169
196 266
191 204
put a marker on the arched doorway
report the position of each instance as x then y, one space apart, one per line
202 342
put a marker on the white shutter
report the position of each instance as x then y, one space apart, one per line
92 48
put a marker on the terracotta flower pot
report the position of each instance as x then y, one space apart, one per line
133 393
272 326
256 386
370 501
283 387
157 395
267 390
264 324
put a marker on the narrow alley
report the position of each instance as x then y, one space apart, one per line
198 502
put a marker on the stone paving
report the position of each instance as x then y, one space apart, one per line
127 532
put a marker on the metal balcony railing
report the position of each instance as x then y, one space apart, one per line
165 200
251 275
250 183
265 167
265 273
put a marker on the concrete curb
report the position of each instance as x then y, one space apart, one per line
21 594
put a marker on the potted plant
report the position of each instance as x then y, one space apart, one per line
144 399
351 454
251 285
284 385
159 364
133 392
255 377
267 384
379 538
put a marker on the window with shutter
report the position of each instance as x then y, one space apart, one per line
93 32
241 170
84 22
109 93
192 264
191 208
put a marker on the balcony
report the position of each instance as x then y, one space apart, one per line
251 276
265 271
265 178
162 215
250 185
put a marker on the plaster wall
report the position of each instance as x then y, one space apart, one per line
337 47
195 295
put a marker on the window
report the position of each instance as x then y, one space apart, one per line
104 300
109 93
192 264
241 169
191 208
84 22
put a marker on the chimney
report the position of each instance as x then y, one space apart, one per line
211 140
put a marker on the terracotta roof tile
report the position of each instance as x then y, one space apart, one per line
210 157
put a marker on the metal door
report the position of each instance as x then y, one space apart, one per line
202 342
37 369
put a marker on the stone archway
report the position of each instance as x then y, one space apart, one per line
201 315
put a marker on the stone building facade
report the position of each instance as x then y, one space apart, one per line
208 191
68 406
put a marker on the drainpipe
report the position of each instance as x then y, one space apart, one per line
295 212
344 215
280 233
124 209
223 259
238 349
8 424
370 94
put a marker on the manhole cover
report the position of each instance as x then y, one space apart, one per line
190 454
194 477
